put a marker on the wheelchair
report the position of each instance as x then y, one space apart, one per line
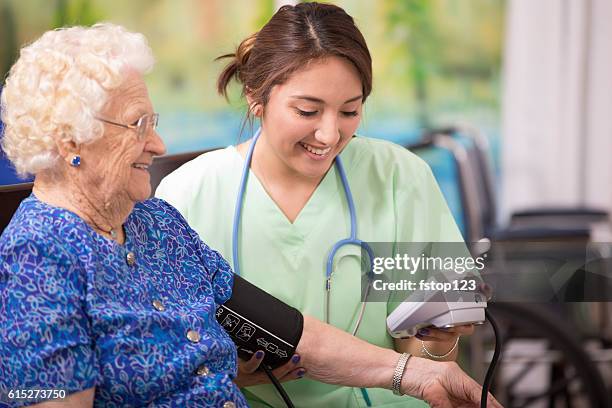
555 354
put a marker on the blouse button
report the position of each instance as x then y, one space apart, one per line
158 305
203 371
229 404
130 258
193 336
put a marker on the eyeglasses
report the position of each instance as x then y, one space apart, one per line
142 126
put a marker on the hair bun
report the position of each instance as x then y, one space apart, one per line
244 50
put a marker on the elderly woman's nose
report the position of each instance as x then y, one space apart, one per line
156 145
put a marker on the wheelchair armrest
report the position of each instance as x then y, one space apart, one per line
540 234
558 218
557 212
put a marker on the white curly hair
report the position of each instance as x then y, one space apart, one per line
58 85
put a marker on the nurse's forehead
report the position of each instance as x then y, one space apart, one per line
312 98
332 79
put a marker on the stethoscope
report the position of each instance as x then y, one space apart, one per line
351 240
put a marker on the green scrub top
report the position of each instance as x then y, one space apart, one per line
396 199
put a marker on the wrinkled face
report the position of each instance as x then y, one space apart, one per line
311 117
116 165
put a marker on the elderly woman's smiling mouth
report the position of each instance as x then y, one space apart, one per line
141 166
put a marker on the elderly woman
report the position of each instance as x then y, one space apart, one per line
110 297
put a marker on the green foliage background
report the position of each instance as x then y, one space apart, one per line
435 61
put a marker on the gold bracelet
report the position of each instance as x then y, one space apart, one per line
436 356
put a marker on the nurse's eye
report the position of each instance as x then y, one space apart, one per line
350 114
305 113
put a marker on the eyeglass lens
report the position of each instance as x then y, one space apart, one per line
146 123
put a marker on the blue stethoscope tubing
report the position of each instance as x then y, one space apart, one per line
351 240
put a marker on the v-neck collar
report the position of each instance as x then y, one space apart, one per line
319 198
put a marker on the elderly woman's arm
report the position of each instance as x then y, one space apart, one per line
335 357
45 336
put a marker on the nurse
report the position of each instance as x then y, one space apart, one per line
306 75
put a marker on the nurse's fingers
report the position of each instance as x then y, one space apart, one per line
287 372
444 335
431 334
286 369
251 365
295 374
464 330
247 380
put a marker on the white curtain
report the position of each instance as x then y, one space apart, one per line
557 104
279 3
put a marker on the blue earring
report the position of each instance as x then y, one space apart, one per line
76 161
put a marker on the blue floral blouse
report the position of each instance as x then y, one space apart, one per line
137 321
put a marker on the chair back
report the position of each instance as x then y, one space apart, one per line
164 165
11 195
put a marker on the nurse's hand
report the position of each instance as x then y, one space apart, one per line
444 335
249 375
439 343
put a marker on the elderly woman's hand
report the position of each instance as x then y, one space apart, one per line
332 356
443 385
249 375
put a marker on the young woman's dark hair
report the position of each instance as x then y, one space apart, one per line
295 36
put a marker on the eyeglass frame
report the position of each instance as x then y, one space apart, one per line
154 117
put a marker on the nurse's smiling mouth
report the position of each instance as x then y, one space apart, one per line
314 152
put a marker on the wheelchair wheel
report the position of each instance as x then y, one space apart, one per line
573 379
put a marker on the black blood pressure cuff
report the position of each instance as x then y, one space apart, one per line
256 320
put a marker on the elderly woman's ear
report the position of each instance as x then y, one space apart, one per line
68 151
